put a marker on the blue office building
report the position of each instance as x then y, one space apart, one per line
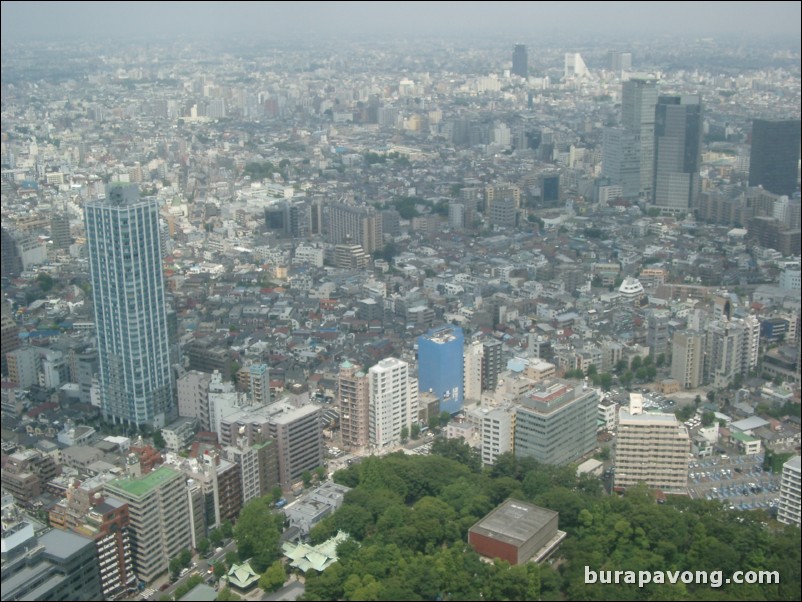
440 366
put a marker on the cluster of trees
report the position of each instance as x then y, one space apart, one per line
184 588
640 370
397 158
406 206
408 517
180 562
260 171
258 534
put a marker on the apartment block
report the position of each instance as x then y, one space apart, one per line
651 448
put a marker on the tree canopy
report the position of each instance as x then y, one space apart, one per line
257 534
408 517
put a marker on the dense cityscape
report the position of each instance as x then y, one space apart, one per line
388 318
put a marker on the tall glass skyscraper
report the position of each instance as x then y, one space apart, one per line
441 366
638 100
774 159
122 233
678 153
520 61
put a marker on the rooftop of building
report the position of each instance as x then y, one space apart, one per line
514 522
743 437
794 463
443 335
748 424
624 416
142 486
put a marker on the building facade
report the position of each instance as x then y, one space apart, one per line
555 422
774 156
491 364
441 366
678 132
638 101
520 61
159 518
687 358
122 235
393 402
349 224
790 493
353 395
651 448
193 397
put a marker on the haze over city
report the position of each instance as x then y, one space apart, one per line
21 20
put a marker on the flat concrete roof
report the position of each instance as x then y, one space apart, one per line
794 463
514 522
142 486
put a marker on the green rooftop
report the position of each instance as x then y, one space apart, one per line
144 485
743 438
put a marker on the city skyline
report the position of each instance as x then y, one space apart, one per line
237 265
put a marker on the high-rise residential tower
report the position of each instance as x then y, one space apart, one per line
353 395
774 158
159 518
677 153
122 234
350 224
440 366
790 493
651 448
491 364
520 61
393 402
687 358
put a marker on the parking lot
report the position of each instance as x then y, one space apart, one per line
738 483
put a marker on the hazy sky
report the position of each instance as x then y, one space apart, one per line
146 19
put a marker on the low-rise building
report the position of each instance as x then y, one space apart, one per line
516 532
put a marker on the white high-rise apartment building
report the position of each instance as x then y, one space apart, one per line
790 493
498 434
651 448
472 373
193 397
393 401
122 235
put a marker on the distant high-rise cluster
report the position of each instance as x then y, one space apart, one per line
628 150
619 62
655 155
